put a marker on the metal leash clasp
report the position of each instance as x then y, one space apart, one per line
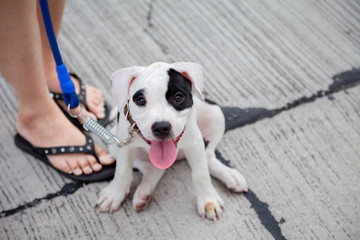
129 139
90 124
78 115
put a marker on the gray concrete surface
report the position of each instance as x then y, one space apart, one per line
298 60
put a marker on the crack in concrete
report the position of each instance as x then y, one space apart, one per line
264 214
150 25
67 189
149 15
235 118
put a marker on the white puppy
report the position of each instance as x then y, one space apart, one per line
170 123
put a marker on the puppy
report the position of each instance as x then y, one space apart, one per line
162 107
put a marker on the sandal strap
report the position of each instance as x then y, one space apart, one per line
88 147
82 94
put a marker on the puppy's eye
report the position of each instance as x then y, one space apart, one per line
139 98
179 98
140 101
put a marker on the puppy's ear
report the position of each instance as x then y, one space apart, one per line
121 81
194 73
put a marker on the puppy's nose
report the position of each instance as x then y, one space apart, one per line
161 129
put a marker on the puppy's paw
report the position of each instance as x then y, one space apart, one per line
110 198
141 203
235 181
142 198
210 206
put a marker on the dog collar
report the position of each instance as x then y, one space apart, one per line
136 129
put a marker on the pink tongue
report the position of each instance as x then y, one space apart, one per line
162 153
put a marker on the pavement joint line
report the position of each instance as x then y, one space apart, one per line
67 189
265 216
150 25
342 81
261 208
149 14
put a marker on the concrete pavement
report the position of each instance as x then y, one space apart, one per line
289 71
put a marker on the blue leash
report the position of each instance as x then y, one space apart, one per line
68 88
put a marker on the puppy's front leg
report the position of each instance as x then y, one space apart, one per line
209 203
114 194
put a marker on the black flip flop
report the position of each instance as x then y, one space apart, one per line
82 99
106 173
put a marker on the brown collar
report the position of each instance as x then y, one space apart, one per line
133 124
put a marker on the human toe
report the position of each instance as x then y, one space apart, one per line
104 157
98 110
77 172
85 166
96 92
74 166
96 167
87 170
62 166
96 102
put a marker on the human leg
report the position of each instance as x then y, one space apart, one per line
94 97
39 119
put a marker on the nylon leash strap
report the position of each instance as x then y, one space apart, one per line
68 88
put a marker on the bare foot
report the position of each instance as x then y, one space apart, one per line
42 130
94 98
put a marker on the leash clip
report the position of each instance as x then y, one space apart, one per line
78 115
90 124
129 139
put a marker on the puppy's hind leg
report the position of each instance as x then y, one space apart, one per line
151 176
232 178
212 126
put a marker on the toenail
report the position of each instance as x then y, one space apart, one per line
101 115
106 159
140 206
77 172
87 170
96 167
146 198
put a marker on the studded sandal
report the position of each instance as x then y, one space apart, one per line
106 173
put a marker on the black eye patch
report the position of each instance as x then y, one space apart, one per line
179 94
139 98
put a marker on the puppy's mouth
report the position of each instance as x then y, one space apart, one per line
163 153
